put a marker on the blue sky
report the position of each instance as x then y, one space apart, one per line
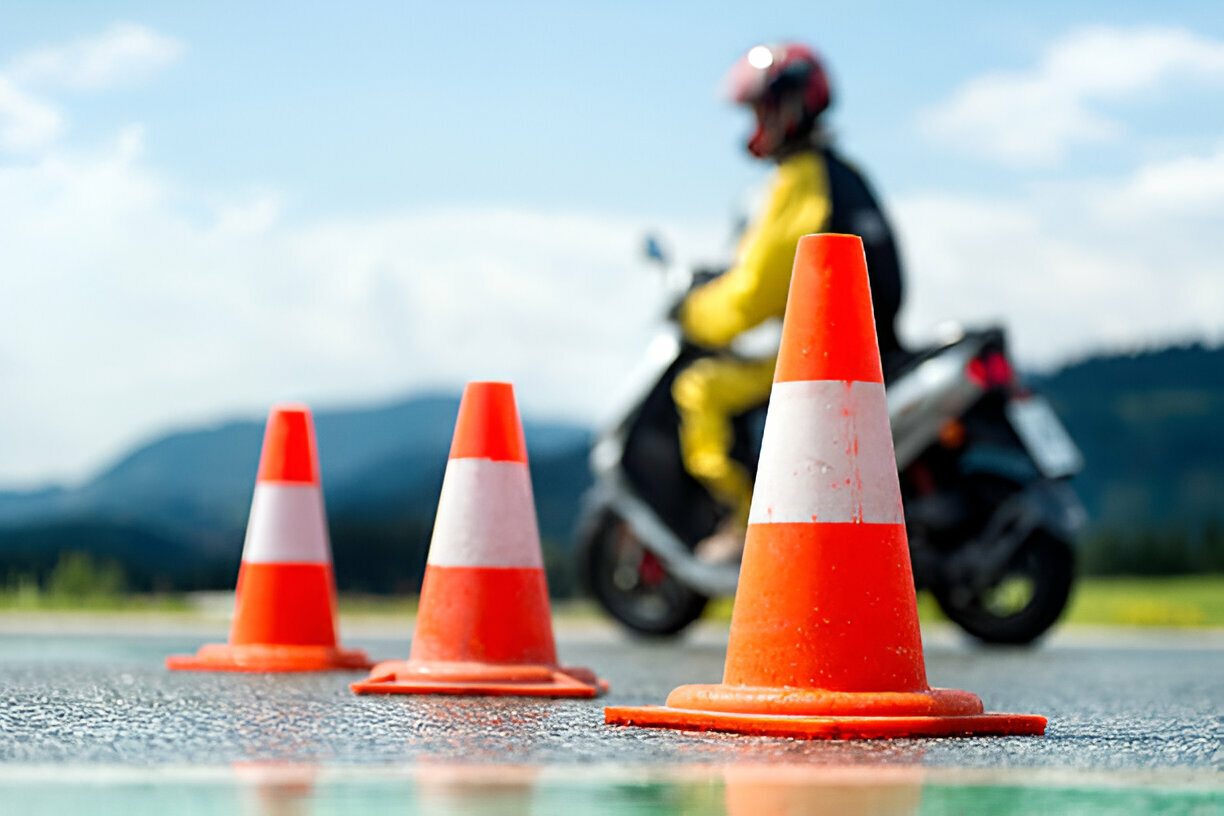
607 106
206 208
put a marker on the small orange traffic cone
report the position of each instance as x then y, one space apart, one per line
824 634
285 610
483 626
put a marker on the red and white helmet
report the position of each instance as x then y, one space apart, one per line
787 88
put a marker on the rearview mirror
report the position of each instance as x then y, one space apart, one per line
652 250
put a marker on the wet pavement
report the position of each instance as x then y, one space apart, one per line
1136 726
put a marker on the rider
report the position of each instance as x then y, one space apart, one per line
813 190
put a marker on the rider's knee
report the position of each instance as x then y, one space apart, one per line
691 390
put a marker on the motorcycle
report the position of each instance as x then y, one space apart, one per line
983 464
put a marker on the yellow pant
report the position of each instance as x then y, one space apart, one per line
708 394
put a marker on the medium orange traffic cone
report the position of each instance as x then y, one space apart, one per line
824 634
483 626
285 610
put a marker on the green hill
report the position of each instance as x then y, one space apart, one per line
1151 426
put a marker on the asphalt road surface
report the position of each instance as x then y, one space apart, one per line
94 721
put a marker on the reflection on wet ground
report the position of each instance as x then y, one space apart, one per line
272 789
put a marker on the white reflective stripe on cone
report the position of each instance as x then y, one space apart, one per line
486 517
288 525
827 455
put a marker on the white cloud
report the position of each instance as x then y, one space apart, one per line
124 53
254 216
1187 187
120 316
1034 117
26 123
1074 268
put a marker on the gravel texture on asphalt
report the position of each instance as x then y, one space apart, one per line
107 699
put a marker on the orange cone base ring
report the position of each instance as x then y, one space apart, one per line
819 727
444 677
807 702
262 657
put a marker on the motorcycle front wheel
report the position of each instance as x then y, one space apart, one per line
631 583
1026 600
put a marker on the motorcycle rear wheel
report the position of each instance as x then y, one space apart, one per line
1027 599
631 584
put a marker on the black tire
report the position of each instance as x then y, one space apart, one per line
613 566
1047 566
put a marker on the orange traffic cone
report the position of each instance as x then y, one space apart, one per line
824 633
285 611
483 626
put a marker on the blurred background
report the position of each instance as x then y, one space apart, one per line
208 209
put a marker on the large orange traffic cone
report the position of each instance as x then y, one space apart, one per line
483 626
824 633
285 610
822 790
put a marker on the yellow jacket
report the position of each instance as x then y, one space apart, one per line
756 288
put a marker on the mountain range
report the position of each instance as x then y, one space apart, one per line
173 511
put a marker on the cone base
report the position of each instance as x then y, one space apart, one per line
444 677
722 698
264 657
831 728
